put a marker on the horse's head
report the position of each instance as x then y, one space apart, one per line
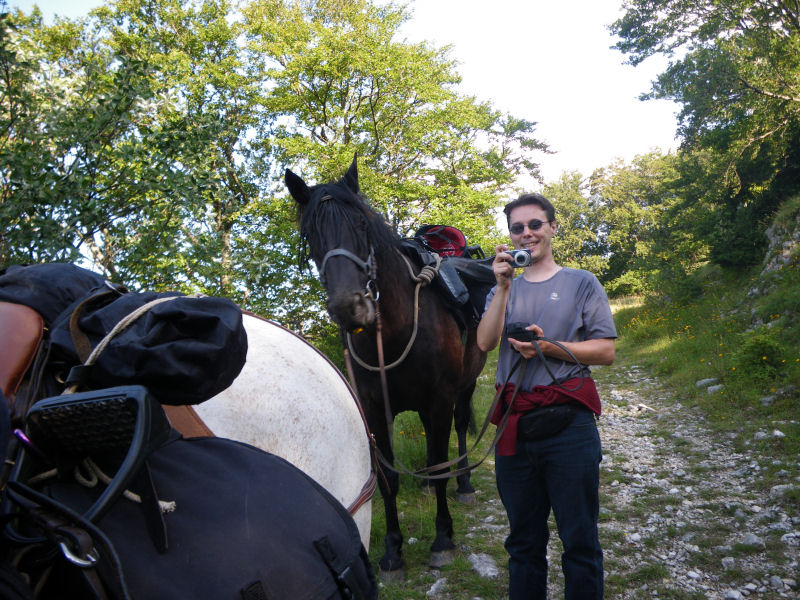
343 236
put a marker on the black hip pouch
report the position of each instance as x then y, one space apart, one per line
545 422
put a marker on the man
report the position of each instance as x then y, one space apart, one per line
549 454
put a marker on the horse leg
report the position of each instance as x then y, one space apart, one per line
391 564
463 417
443 548
428 485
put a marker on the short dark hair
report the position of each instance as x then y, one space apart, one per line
531 198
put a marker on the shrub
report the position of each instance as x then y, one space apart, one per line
759 356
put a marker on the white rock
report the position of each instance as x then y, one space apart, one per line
706 382
437 587
484 565
752 539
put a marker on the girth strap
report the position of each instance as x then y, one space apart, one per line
186 421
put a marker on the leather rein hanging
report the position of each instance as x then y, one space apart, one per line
424 277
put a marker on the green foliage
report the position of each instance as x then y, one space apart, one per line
579 239
150 140
736 73
759 356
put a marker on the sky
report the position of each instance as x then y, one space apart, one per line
542 60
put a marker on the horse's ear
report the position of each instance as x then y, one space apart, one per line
297 187
351 177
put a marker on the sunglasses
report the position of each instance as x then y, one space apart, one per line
533 225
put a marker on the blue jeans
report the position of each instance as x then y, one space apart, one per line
561 473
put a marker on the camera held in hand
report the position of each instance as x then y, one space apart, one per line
519 333
520 258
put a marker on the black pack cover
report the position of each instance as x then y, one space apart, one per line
246 524
48 288
184 351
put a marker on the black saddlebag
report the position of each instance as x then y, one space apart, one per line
241 524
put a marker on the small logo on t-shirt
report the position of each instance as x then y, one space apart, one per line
554 297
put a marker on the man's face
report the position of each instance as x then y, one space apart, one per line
536 241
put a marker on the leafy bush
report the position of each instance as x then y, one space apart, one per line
759 355
630 283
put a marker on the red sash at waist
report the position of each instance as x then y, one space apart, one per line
539 396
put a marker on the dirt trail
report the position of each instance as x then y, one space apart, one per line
683 515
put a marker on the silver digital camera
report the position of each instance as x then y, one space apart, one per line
520 258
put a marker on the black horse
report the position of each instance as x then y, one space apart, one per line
370 291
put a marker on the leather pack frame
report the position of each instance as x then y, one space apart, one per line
21 329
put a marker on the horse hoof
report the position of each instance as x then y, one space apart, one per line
468 499
395 576
442 558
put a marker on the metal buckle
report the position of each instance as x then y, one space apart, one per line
83 563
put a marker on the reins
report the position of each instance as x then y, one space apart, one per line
424 473
424 277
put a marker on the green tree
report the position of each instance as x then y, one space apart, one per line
645 238
580 240
341 83
736 73
72 162
182 186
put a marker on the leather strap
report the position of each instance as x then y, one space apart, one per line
185 420
83 347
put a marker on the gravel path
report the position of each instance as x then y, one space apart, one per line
683 515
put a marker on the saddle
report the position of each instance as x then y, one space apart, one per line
21 329
139 532
465 274
446 240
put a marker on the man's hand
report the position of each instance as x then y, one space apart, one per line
527 349
502 268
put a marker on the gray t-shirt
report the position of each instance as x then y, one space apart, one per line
571 306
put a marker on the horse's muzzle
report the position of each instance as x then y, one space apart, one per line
352 311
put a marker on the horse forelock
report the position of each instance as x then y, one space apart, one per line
333 212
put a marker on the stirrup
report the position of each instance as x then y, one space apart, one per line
100 423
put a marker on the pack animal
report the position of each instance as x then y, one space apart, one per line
299 406
208 479
431 363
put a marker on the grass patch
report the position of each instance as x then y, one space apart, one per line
649 572
743 334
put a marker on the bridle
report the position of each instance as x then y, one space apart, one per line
369 267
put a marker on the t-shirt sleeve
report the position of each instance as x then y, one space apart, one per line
597 317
